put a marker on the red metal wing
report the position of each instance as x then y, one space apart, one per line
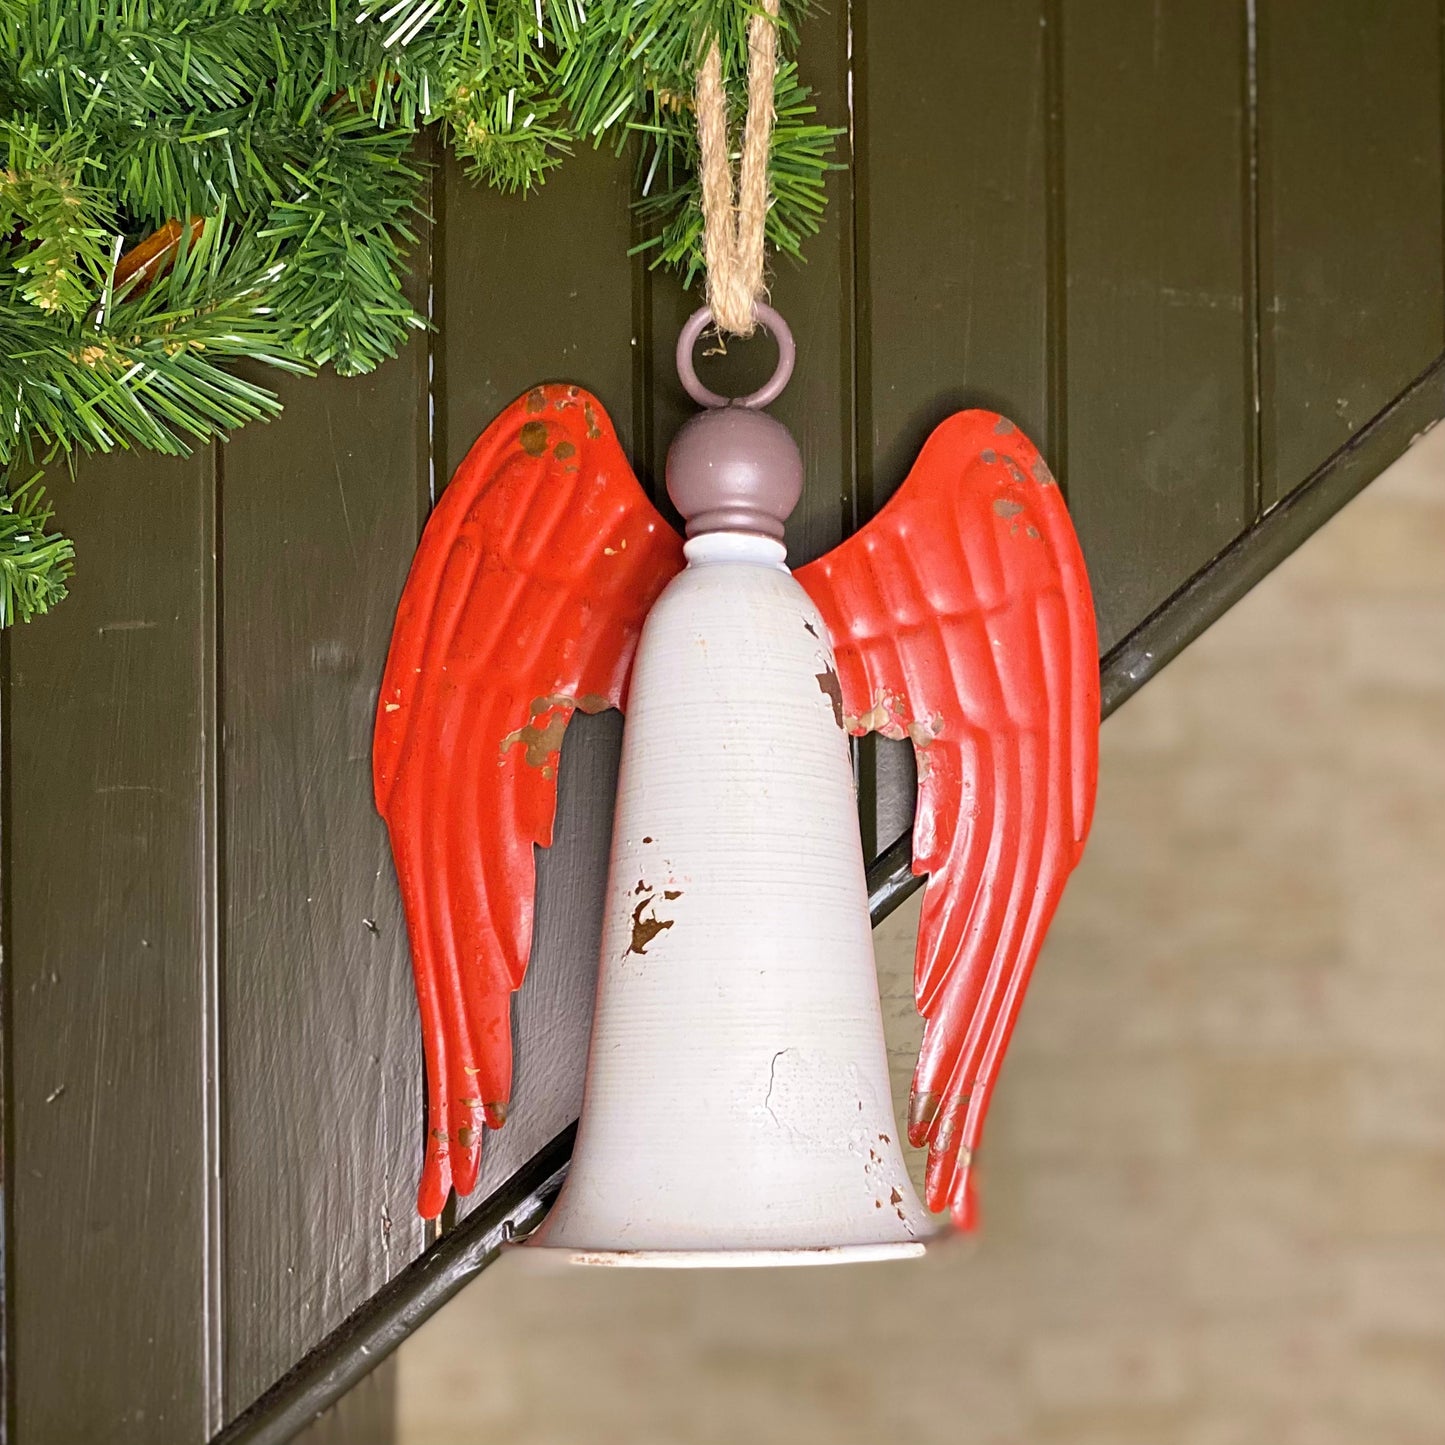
961 619
525 601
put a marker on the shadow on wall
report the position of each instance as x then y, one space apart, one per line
1214 1179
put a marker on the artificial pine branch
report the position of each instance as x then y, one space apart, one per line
59 226
343 229
265 145
149 367
34 563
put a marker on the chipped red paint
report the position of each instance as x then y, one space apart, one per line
961 618
525 601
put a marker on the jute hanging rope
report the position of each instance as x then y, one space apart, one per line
734 228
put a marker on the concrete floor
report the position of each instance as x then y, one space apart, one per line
1214 1179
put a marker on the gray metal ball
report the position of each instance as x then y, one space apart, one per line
734 469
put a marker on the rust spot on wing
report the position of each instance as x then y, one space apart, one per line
563 451
888 717
496 1113
1003 427
465 1135
922 733
989 455
1042 475
880 718
671 893
542 739
922 1111
534 438
590 413
832 689
536 400
1005 508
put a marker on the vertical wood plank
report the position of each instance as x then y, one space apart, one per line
529 289
106 968
1158 456
322 1095
952 199
952 212
532 289
1350 201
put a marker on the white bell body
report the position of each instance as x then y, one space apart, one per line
737 1106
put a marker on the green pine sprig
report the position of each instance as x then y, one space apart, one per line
146 367
35 563
276 138
341 232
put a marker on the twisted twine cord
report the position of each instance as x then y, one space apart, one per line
734 232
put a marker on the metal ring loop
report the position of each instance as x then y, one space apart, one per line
766 394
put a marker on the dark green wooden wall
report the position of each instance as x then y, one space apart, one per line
1190 249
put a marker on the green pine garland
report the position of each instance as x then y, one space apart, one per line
275 139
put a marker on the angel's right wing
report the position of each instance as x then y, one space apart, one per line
961 619
534 576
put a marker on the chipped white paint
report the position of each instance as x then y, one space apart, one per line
737 1105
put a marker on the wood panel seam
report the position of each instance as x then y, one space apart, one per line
861 492
213 943
1253 305
1056 300
7 1085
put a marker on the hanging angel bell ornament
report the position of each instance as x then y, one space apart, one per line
737 1106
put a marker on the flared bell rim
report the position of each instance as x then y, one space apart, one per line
561 1256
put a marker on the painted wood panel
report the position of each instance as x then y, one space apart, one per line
1350 240
321 1084
1155 354
109 968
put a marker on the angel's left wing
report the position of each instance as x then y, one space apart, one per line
961 619
534 575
